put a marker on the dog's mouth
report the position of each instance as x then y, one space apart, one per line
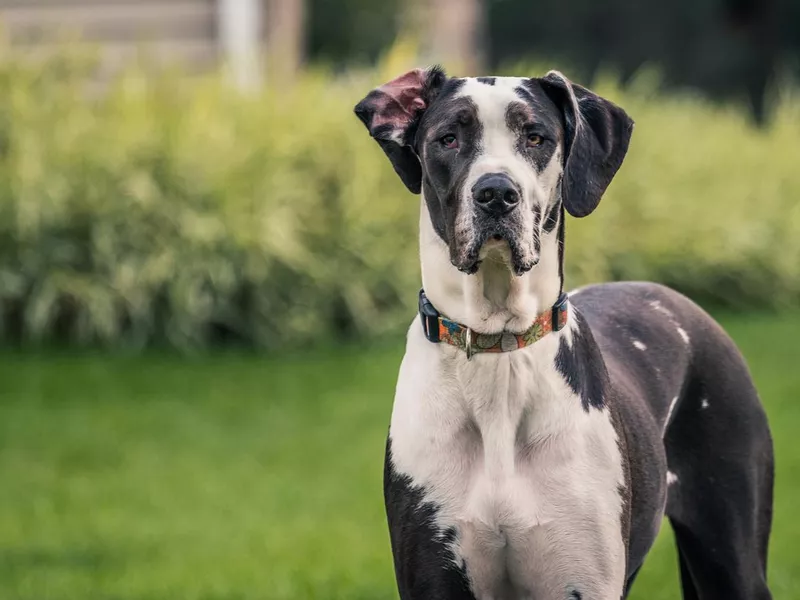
502 244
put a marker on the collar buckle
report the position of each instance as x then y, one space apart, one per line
429 317
559 316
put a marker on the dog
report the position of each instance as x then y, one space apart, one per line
538 439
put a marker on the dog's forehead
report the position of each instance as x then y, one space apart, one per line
493 95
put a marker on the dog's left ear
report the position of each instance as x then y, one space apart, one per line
597 133
392 113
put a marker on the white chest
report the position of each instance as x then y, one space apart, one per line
513 462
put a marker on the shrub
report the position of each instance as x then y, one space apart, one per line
167 210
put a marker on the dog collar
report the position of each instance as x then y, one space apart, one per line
439 329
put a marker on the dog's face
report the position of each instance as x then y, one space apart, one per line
495 156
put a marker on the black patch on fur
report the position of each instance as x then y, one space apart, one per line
552 216
537 217
535 114
582 365
487 80
423 562
447 170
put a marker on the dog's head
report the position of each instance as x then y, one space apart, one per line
495 156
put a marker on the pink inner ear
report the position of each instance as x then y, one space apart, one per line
401 101
417 104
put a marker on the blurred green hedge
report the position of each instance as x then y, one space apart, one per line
170 211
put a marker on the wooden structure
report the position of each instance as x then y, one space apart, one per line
199 34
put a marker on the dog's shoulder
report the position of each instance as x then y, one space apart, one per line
639 319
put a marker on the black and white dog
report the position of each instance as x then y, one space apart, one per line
537 440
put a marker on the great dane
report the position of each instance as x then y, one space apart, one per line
537 439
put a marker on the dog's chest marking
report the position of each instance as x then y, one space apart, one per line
519 465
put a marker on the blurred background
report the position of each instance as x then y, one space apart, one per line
207 267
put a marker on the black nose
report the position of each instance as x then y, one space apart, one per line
496 194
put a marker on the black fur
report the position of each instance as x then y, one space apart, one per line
537 217
422 558
405 163
597 134
535 116
447 171
402 155
552 218
720 506
582 366
561 241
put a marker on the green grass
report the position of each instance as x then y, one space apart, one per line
237 477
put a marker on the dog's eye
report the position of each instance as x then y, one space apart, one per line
534 140
449 141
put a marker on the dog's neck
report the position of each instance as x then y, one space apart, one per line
493 299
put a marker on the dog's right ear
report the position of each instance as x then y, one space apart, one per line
392 113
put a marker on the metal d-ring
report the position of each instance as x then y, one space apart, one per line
468 342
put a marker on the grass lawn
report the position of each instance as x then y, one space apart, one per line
241 478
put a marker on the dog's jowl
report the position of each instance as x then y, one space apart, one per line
538 439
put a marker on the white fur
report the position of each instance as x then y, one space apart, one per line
656 304
498 144
639 345
527 477
669 412
665 311
671 478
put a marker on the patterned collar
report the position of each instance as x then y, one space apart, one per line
439 329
